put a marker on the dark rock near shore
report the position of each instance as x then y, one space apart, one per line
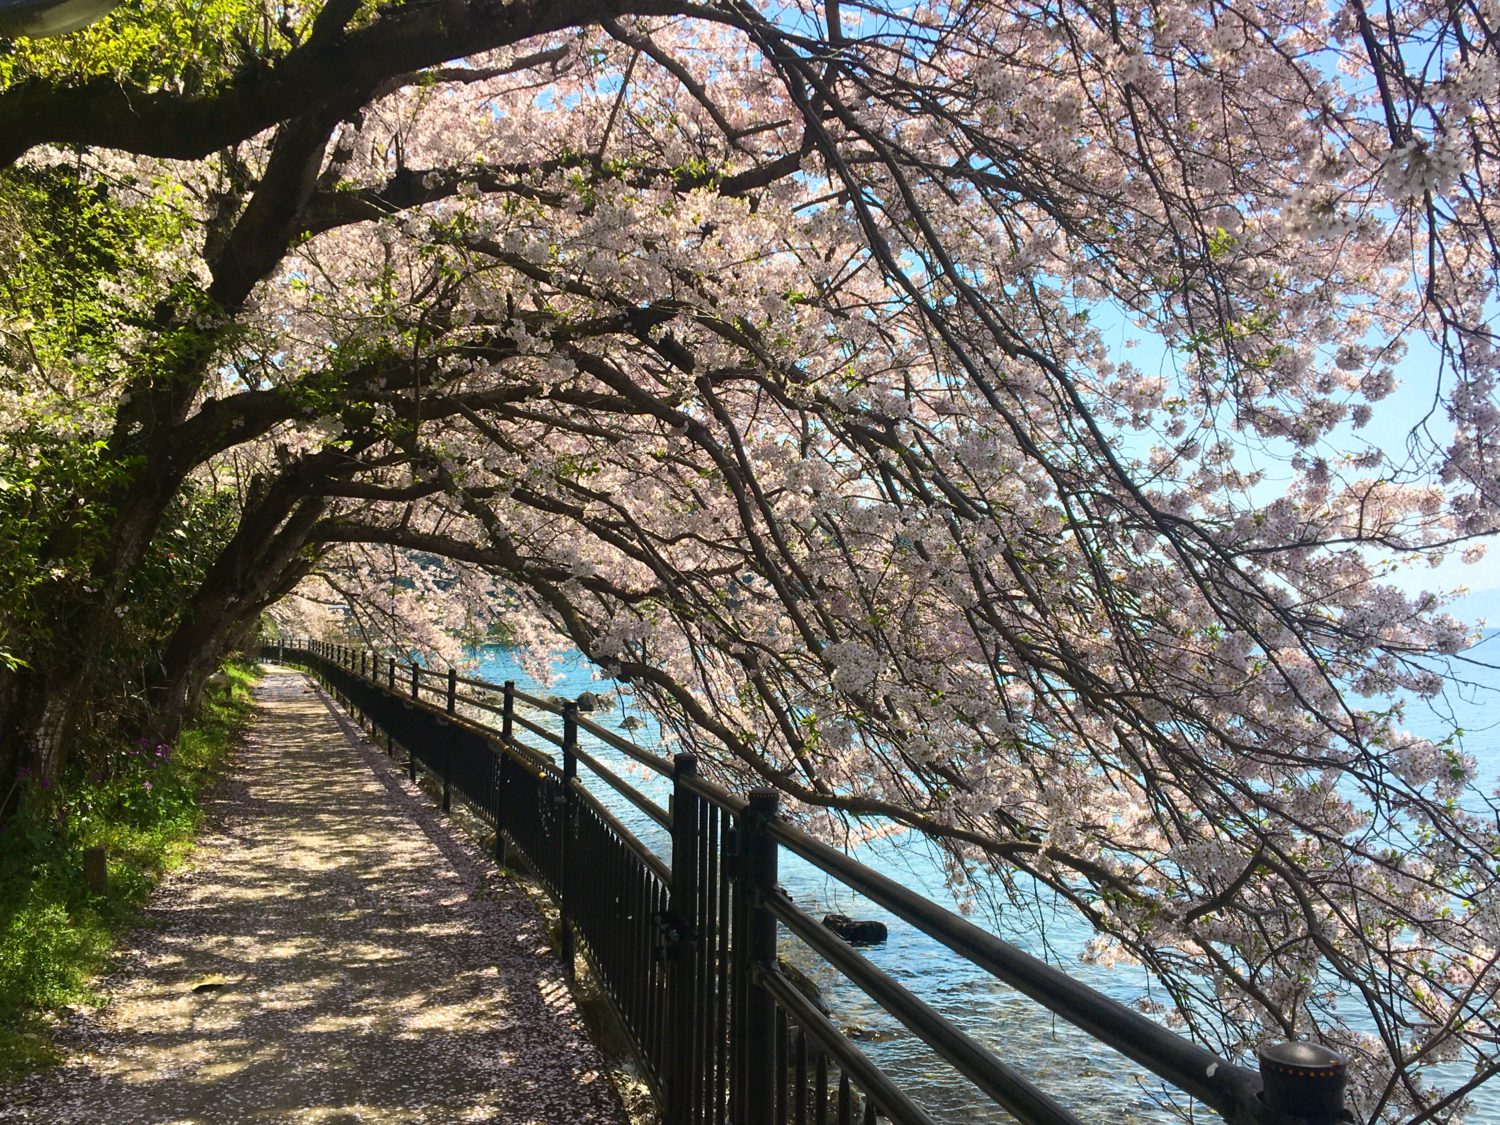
870 1034
630 722
590 701
803 984
856 931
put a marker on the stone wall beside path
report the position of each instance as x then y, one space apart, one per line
334 952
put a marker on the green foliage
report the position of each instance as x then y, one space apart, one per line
184 46
142 808
77 267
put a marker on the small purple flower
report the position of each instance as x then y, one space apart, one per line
46 784
146 785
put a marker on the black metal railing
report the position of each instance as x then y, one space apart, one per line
686 949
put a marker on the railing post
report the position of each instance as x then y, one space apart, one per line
411 751
416 690
569 828
448 746
359 714
392 663
502 771
681 945
758 883
1303 1080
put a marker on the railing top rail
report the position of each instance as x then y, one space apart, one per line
474 701
473 682
603 734
534 701
715 793
537 729
625 789
626 747
1227 1088
1002 1082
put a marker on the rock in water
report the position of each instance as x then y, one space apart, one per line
588 701
856 931
803 984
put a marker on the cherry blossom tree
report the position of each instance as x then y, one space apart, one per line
771 355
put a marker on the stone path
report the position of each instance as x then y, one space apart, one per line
334 954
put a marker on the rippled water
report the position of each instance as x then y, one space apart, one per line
1094 1081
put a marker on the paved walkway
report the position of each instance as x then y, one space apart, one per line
333 954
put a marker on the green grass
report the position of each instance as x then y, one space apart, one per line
55 936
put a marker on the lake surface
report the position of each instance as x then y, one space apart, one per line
1094 1081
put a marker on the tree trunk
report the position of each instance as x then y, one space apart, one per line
257 566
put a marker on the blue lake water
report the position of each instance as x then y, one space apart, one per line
1094 1081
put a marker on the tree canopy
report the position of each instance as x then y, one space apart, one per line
783 359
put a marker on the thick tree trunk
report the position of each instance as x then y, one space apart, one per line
151 450
258 565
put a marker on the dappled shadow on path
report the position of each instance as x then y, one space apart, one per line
323 960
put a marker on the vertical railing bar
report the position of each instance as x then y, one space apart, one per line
705 857
680 944
801 1077
447 749
657 998
568 828
725 995
502 772
639 954
758 864
783 1053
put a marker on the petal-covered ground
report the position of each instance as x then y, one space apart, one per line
333 954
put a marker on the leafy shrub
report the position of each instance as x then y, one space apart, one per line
55 935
